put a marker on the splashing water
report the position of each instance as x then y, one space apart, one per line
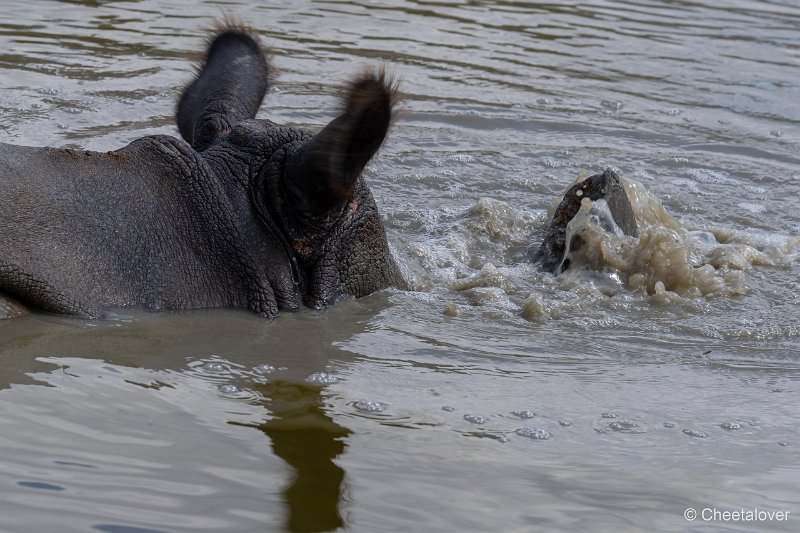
669 261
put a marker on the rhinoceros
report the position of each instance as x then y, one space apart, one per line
240 213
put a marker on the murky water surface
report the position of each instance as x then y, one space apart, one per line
493 397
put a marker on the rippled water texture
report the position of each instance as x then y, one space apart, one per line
493 397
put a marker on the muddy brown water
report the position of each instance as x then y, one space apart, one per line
493 397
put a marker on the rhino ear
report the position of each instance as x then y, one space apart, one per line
228 88
321 175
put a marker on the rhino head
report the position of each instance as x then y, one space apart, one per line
307 190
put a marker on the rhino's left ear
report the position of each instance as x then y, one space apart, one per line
321 175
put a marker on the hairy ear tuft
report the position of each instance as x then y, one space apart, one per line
233 25
370 103
322 174
228 86
371 90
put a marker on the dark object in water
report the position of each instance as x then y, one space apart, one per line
242 213
606 186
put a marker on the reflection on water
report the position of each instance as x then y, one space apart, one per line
309 440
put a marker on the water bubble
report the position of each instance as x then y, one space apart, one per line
776 133
614 105
624 426
460 158
128 101
476 419
670 425
322 378
753 207
544 101
214 367
533 310
564 423
554 163
478 260
608 415
710 177
523 414
702 238
534 433
264 369
694 433
49 91
730 426
448 408
151 99
783 443
370 406
671 111
37 106
229 389
73 110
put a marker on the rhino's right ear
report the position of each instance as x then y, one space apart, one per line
322 174
228 88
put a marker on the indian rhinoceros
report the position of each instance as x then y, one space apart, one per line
242 213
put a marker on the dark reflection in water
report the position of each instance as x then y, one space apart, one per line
309 440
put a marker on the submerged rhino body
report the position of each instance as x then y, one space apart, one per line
552 253
241 213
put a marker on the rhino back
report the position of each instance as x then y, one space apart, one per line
146 225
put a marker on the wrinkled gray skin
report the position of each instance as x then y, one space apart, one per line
242 213
600 186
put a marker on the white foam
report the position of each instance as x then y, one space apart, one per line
668 261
